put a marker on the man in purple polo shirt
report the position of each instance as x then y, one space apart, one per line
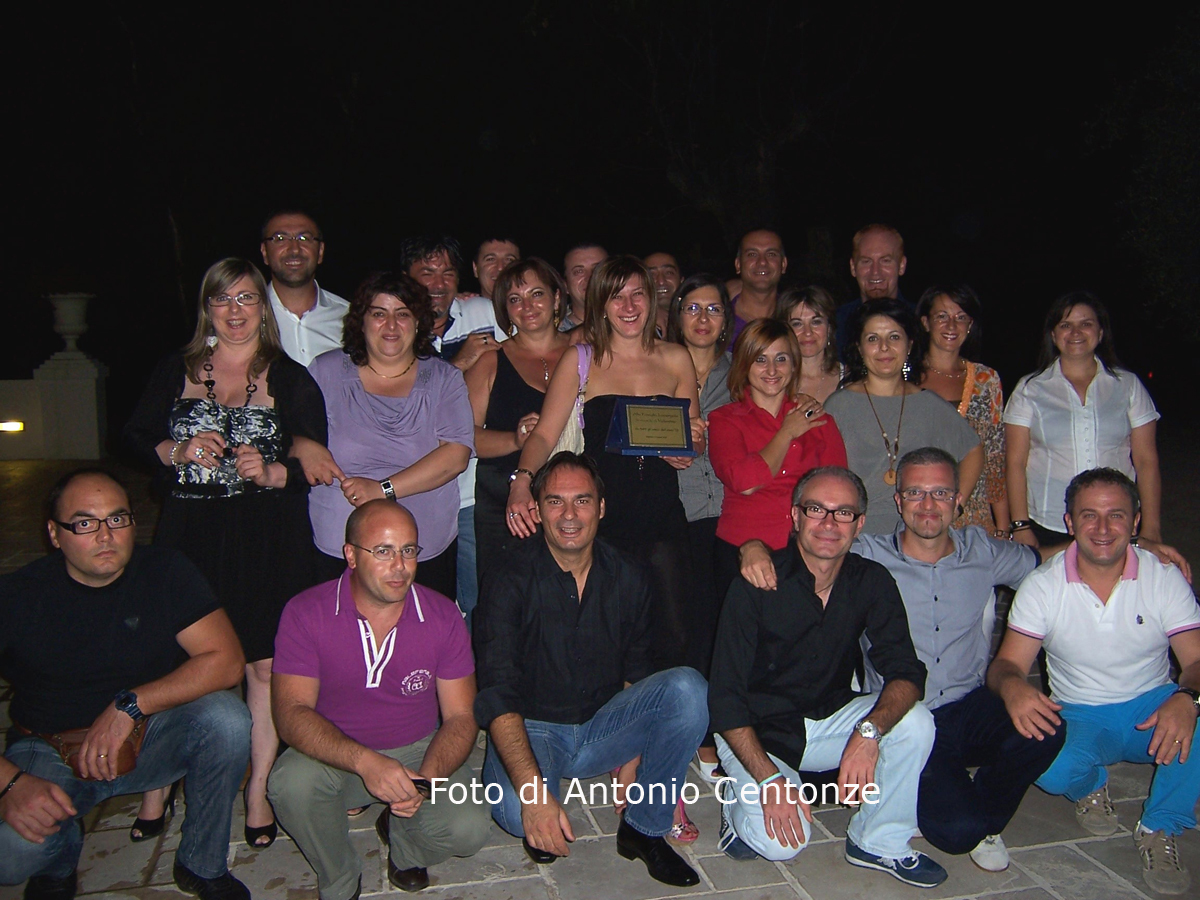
364 666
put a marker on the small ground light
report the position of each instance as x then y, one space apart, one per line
12 426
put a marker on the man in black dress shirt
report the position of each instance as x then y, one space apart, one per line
781 699
566 685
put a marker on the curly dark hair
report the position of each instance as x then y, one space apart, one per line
898 312
408 291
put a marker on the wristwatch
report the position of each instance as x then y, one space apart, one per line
126 702
868 729
1195 695
388 490
516 472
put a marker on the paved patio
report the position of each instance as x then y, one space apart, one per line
1051 856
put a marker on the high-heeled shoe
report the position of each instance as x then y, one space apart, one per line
254 835
684 830
145 829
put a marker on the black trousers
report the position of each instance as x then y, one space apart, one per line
954 811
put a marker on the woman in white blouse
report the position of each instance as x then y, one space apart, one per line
1078 411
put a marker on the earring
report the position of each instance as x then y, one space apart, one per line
211 341
907 370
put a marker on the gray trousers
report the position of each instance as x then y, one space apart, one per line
311 799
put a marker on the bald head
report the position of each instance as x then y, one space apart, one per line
376 516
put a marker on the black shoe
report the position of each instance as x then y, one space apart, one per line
662 862
254 836
414 879
144 829
47 887
223 887
541 857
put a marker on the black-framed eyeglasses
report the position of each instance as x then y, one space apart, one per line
842 514
714 310
917 495
245 298
88 526
387 554
282 237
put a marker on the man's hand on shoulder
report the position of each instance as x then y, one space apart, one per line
1168 556
98 753
472 349
391 782
34 807
546 824
754 560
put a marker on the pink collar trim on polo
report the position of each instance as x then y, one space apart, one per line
1071 560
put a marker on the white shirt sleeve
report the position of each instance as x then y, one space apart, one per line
1019 411
1030 613
1141 407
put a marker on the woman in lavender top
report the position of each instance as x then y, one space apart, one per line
400 426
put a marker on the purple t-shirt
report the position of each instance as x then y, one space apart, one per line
374 437
380 690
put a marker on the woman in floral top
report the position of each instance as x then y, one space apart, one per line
950 317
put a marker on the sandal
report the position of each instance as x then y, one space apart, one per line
255 835
683 831
145 829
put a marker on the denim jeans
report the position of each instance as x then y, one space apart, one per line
882 828
662 718
1098 736
207 740
468 577
954 810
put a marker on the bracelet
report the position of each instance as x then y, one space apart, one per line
171 455
516 472
762 784
1019 525
8 787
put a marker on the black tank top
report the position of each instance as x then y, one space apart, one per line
511 399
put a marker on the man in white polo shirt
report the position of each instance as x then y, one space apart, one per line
1107 613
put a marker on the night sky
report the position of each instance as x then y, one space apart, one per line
1026 155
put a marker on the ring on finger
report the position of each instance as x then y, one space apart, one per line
199 453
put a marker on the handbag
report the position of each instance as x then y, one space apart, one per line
68 744
571 438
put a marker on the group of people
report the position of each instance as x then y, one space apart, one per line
801 591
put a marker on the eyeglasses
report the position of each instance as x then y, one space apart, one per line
714 310
943 318
282 237
387 554
88 526
916 495
245 298
841 515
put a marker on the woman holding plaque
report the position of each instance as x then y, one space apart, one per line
643 513
883 414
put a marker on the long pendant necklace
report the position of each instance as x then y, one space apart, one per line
210 382
891 449
401 375
545 370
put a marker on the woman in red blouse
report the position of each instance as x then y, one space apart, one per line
763 442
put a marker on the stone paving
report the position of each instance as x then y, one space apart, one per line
1051 856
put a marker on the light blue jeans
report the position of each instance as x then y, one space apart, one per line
1098 736
663 718
207 740
883 828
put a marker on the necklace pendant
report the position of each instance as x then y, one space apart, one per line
889 477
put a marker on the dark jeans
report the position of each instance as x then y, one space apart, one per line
956 812
207 740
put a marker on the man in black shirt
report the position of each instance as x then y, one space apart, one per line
92 637
781 700
566 686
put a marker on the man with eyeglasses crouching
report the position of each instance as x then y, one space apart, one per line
91 639
365 668
781 701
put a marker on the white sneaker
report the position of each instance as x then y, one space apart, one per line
990 854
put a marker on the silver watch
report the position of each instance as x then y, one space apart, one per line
388 490
868 729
